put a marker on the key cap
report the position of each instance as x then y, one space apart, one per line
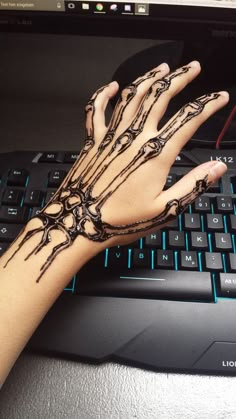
50 157
227 285
3 248
198 240
232 223
141 258
215 188
213 261
55 178
189 260
224 204
15 215
222 242
70 157
161 284
165 259
170 181
232 262
202 204
192 221
8 232
215 222
153 240
12 197
33 198
117 257
17 177
176 239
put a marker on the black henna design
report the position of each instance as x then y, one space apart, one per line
75 210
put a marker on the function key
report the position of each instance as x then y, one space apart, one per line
70 157
50 157
17 177
55 178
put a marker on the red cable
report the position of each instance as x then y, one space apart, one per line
225 127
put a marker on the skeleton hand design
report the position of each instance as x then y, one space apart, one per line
114 192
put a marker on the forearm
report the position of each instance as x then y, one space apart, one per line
24 301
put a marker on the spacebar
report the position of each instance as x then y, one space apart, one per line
145 283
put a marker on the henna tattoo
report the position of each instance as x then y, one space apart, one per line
76 210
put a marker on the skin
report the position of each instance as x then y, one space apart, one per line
112 195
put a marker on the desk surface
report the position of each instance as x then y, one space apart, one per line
48 104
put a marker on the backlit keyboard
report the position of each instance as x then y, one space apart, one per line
167 301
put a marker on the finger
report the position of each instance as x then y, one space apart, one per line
133 95
162 91
195 183
95 111
177 132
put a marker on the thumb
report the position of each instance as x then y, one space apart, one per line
190 186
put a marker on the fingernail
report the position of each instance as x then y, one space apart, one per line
194 64
225 94
217 170
163 66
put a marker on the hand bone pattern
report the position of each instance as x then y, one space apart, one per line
75 209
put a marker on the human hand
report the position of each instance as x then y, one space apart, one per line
114 192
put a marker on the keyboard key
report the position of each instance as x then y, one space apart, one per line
12 197
188 260
50 157
70 157
170 181
117 257
192 221
198 240
3 248
202 204
33 198
141 258
55 178
165 259
8 232
227 285
222 242
232 223
153 240
176 239
215 188
15 215
17 177
213 261
232 262
175 285
215 222
224 204
49 196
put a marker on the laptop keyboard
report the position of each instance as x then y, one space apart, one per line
192 260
